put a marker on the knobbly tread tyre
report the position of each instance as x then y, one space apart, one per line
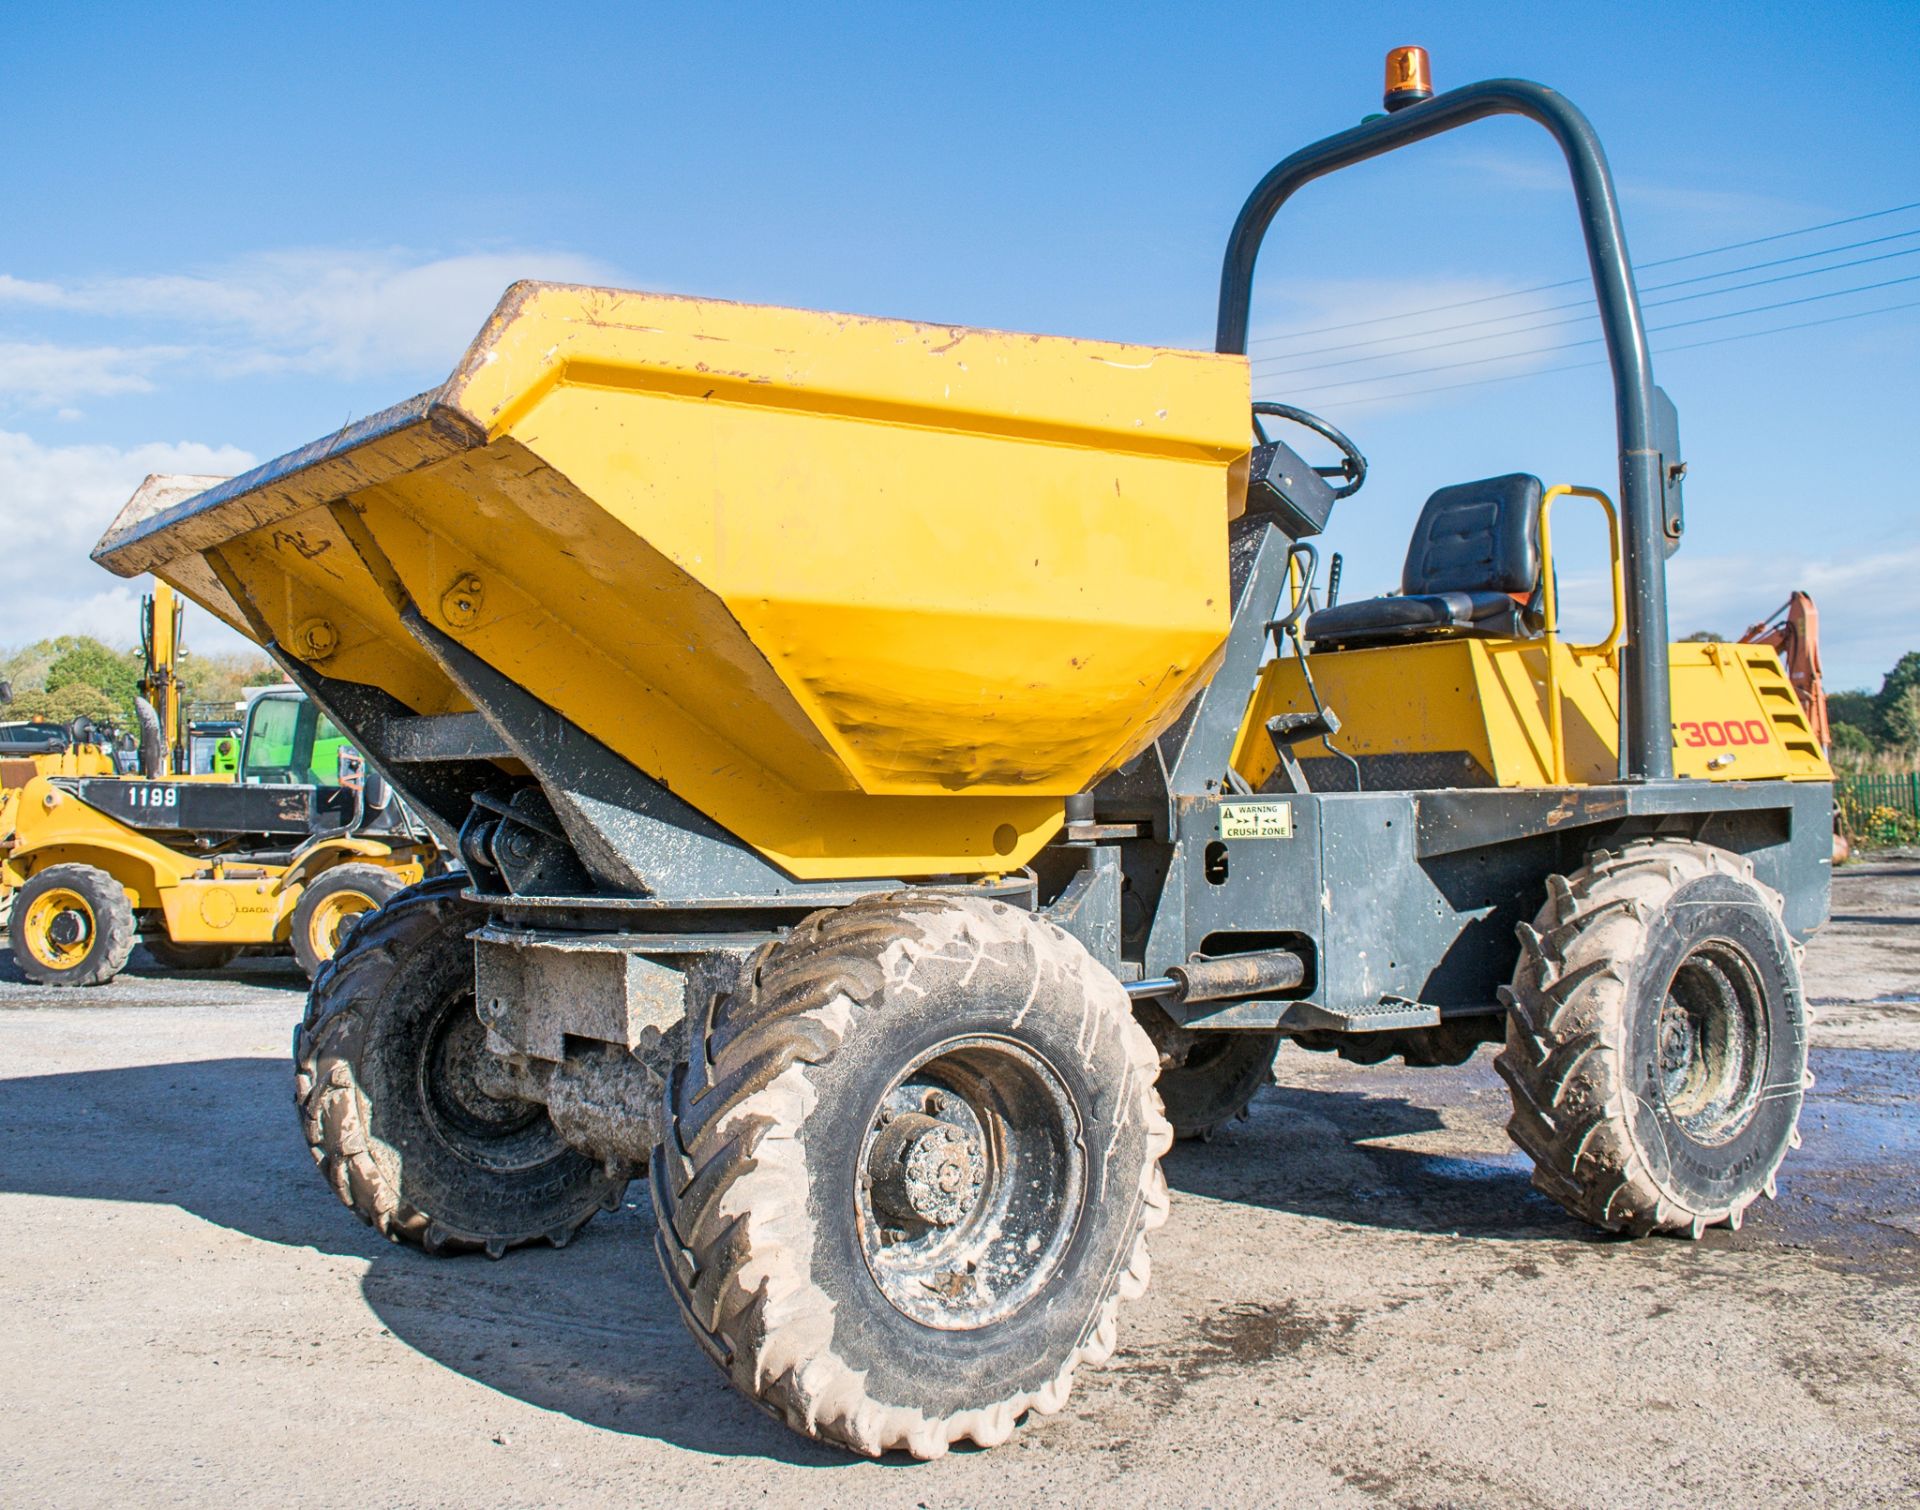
374 881
171 956
732 1185
1451 1043
1201 1098
1567 1059
335 1114
115 930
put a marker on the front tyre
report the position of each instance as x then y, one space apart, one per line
390 1080
72 925
908 1172
1656 1039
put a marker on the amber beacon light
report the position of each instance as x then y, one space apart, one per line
1409 77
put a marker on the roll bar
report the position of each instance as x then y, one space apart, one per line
1650 465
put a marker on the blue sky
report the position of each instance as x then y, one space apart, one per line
227 234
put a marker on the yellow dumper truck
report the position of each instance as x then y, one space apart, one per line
906 774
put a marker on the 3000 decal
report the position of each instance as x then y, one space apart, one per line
1712 733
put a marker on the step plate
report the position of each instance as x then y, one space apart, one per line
1307 1016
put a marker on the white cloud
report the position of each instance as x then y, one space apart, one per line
20 291
43 374
54 502
340 313
343 313
1869 615
111 614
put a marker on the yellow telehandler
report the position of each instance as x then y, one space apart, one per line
282 850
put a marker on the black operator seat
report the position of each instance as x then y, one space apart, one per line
1473 563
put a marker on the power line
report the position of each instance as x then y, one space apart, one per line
1587 304
1532 372
1540 288
1533 351
1520 330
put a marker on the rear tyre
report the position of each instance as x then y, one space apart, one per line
169 955
1656 1040
389 1076
908 1172
72 925
1453 1042
1207 1079
332 903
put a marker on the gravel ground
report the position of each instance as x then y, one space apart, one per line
1359 1298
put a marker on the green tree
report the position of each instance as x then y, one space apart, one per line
27 667
75 700
1895 702
1849 740
1903 717
113 673
223 677
1859 711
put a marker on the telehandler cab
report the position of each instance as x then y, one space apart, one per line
875 769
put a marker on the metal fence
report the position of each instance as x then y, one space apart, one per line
1879 809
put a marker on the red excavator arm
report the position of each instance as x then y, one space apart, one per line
1794 631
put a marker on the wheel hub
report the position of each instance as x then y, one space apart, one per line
971 1180
1712 1043
1676 1046
457 1089
58 927
924 1170
330 919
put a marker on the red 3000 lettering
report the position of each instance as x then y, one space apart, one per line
1712 733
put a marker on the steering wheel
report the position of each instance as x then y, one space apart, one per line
1352 466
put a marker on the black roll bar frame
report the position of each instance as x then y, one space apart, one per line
1646 746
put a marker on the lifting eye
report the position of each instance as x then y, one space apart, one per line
1213 864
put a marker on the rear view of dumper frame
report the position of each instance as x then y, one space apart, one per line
906 775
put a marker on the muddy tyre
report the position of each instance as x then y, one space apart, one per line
1450 1043
1207 1079
908 1172
333 903
169 955
71 925
1656 1041
388 1071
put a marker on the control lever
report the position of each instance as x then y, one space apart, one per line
1321 723
1289 729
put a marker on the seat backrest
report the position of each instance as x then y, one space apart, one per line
1477 537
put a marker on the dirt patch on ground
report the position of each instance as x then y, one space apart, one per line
1359 1299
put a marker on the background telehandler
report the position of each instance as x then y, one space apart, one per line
284 848
880 752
